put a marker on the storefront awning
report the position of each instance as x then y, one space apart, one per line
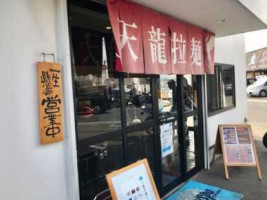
257 60
149 42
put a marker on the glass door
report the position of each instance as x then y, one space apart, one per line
139 120
170 152
192 118
180 135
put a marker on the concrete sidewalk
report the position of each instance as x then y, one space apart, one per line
243 180
257 116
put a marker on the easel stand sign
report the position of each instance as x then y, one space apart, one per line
236 143
134 181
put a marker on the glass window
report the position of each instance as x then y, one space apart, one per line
93 166
96 85
171 167
220 88
167 95
140 146
138 100
213 90
190 93
191 133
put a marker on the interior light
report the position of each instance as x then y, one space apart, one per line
108 27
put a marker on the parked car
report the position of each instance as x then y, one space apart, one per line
94 98
264 140
250 81
228 89
258 88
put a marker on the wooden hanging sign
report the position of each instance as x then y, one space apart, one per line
235 142
134 181
50 102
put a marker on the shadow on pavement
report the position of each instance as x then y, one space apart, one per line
242 179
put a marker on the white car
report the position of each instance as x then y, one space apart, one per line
258 88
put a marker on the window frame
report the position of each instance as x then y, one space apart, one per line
220 110
155 123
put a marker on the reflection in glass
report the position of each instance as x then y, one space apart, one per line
171 163
167 95
96 87
220 88
191 131
138 100
93 166
140 146
227 80
190 93
213 90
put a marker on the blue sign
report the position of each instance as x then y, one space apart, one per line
198 191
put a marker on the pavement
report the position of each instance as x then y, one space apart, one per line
257 116
244 180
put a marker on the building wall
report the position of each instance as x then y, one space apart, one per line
230 50
29 171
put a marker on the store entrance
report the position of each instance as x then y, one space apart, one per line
121 118
179 110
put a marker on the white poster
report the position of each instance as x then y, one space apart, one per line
134 184
135 188
166 139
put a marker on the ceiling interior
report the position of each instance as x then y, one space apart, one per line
206 14
89 19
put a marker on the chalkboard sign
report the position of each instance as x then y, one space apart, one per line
134 181
236 143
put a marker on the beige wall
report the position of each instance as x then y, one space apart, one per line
29 171
230 50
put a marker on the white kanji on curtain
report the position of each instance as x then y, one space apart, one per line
157 45
178 49
195 52
125 39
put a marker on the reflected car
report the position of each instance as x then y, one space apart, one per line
250 81
228 89
259 88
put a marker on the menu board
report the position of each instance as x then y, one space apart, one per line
238 145
133 182
235 142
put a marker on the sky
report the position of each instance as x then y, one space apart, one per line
255 40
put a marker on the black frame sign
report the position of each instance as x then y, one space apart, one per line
235 142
